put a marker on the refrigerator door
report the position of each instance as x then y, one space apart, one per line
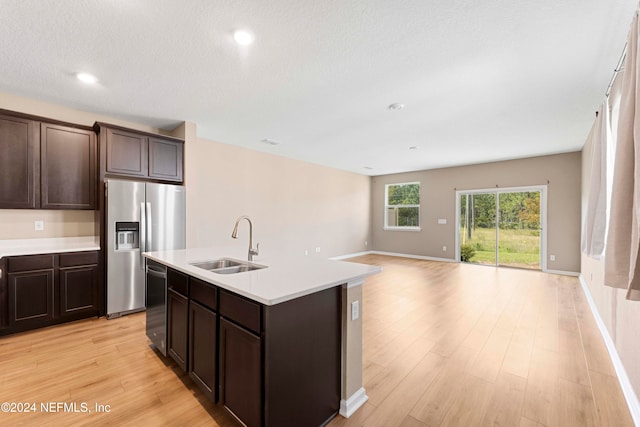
125 244
166 216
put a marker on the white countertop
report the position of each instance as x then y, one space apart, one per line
47 246
284 279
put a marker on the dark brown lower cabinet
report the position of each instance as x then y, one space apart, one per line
4 301
31 297
78 296
178 327
42 290
240 373
268 365
202 348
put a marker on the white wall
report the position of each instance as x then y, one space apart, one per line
294 205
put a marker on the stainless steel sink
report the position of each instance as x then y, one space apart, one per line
214 264
226 266
237 269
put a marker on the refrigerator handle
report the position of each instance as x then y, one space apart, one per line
148 245
143 234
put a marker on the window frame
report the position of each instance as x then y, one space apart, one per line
387 206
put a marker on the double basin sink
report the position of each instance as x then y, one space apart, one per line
226 266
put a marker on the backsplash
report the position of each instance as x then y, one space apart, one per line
20 223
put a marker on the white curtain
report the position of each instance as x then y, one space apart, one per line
595 226
622 266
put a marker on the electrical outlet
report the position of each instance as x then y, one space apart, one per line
318 250
38 225
306 252
365 242
444 249
552 257
442 221
355 310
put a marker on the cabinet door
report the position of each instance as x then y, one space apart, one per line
4 302
202 348
68 167
78 291
240 385
165 159
18 160
177 327
126 153
30 297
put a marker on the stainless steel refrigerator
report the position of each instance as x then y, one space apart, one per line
141 217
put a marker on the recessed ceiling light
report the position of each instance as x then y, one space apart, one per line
396 106
413 147
269 141
243 37
87 78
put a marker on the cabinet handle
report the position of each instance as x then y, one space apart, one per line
0 274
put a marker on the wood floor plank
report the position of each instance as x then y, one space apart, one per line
518 356
609 401
526 422
393 409
470 404
488 362
505 404
572 364
409 421
574 406
388 379
541 390
596 353
433 405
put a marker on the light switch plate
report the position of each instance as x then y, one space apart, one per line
355 310
442 221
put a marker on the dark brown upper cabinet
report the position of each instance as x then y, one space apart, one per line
134 154
19 158
165 159
68 172
126 153
46 165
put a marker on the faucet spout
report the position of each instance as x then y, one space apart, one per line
234 234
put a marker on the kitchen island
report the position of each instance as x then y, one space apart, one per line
278 345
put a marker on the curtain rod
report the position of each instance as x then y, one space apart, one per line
619 67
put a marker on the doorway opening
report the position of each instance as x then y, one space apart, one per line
501 227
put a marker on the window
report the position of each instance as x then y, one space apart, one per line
402 206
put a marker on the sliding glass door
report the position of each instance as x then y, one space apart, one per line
501 227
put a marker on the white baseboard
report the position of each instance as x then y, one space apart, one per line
353 403
564 273
627 389
427 258
339 257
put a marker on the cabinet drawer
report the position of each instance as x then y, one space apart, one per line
31 262
240 310
203 293
178 282
78 258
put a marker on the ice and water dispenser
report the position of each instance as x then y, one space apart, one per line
127 236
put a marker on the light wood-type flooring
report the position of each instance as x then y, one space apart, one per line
445 344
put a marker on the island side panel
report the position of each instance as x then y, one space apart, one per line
353 395
303 359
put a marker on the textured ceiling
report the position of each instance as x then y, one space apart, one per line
481 80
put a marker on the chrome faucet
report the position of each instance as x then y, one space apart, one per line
234 235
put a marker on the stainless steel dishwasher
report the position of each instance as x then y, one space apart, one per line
156 302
